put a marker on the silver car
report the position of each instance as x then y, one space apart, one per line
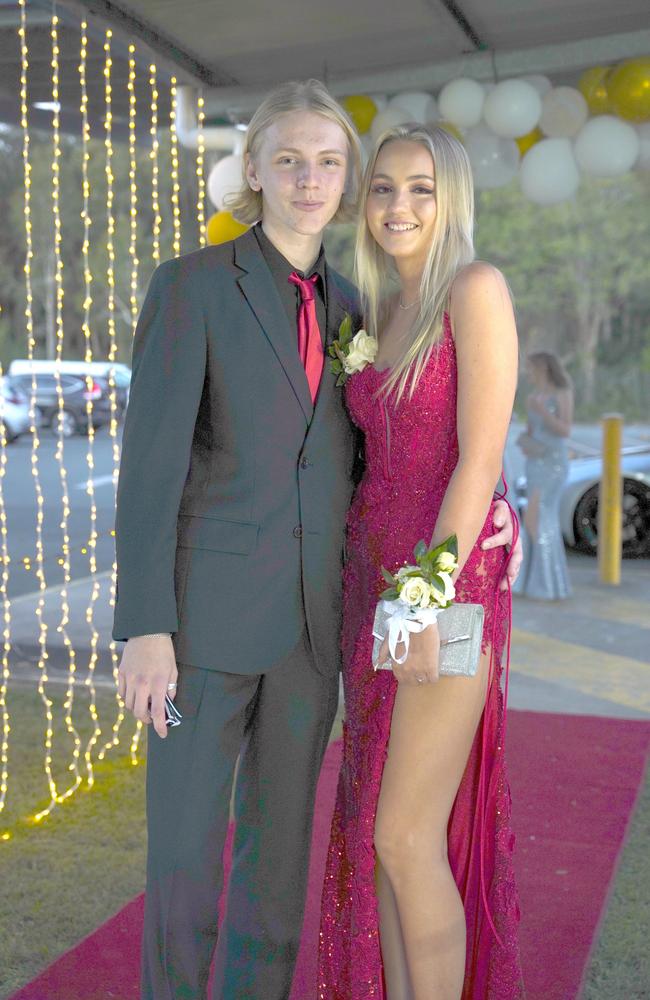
579 500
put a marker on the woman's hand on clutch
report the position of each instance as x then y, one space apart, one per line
421 664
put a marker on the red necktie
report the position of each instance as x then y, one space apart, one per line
310 345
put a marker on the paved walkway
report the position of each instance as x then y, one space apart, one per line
588 655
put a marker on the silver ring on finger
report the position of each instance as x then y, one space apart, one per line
170 687
420 680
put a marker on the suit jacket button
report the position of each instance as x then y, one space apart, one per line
297 531
304 463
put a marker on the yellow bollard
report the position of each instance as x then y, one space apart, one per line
610 501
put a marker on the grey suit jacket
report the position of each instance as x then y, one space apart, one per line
233 487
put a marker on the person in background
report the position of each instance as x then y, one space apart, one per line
544 573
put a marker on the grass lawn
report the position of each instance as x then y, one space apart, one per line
60 879
63 877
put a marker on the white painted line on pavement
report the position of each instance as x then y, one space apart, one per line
97 481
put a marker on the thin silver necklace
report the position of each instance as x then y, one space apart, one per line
410 305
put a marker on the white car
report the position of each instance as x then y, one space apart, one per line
579 500
101 369
14 409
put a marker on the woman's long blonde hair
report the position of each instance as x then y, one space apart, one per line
307 95
452 247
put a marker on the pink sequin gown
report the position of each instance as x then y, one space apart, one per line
411 452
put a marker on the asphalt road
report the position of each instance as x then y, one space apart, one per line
21 506
20 498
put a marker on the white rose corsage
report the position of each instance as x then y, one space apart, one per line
351 354
415 596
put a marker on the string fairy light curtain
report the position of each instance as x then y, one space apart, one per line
131 185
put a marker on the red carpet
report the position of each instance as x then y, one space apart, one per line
574 782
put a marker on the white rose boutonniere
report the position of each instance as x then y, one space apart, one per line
351 354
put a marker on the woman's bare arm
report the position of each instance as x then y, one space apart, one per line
484 330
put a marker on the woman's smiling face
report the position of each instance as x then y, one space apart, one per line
401 205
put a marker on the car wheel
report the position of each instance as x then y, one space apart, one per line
64 423
636 519
585 522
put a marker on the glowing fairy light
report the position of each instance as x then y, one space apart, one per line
133 192
31 344
155 168
91 544
176 188
112 352
200 170
55 796
6 632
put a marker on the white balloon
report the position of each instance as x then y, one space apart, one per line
643 161
512 108
564 112
606 146
494 160
226 177
548 172
420 106
461 102
388 118
380 100
542 84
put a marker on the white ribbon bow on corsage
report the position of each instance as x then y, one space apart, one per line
402 619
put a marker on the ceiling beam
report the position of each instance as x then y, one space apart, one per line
563 58
458 16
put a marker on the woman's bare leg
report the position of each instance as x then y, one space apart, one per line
396 971
432 730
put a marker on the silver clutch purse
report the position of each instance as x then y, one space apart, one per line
461 632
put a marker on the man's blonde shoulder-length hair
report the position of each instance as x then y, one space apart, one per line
452 247
307 95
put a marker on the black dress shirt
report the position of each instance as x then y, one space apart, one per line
289 293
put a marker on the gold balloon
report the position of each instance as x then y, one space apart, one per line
524 142
593 87
361 109
628 86
222 227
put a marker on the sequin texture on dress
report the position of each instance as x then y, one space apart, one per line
411 451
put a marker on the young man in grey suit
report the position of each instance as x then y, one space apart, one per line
235 479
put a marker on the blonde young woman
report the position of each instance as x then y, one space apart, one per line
419 900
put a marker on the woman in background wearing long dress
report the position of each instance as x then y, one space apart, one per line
419 901
544 573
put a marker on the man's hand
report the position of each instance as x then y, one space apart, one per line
147 668
504 532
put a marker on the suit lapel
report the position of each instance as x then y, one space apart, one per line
259 289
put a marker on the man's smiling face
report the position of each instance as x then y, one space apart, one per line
301 167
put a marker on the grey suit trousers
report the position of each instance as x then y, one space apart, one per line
280 722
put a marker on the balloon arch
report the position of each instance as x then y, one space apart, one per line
546 136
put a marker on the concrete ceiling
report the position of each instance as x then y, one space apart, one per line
238 50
